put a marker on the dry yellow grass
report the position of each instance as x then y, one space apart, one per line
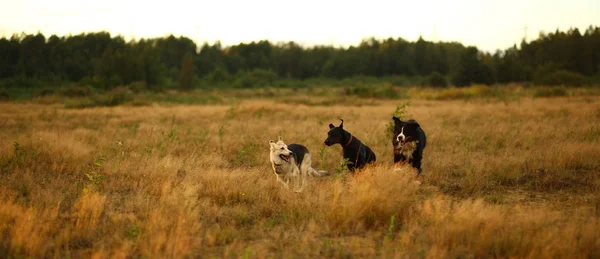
502 179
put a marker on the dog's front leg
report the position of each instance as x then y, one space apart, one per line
416 163
287 183
278 178
399 158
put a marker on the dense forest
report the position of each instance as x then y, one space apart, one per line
105 61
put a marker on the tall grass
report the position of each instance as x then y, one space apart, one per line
501 179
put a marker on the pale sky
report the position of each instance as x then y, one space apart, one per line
489 25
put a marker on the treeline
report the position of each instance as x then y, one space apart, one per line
105 61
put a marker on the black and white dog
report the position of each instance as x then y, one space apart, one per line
357 153
409 141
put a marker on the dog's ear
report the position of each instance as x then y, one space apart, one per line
341 124
280 139
396 120
271 141
331 126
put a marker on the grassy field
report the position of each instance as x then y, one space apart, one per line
503 177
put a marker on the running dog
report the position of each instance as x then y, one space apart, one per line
291 164
357 153
409 141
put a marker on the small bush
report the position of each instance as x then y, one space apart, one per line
436 79
218 75
360 80
46 92
117 96
384 92
76 91
550 92
4 96
141 102
138 87
361 91
291 83
398 81
388 92
255 78
79 103
96 82
560 77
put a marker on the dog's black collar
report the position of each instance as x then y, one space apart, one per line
349 141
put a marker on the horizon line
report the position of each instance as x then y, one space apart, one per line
4 34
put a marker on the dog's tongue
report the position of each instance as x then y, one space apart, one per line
284 158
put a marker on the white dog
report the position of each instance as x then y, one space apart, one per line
291 164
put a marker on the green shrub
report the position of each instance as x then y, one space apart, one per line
21 82
218 75
96 82
389 91
436 79
255 78
46 92
117 96
138 86
550 92
560 77
79 103
361 91
360 80
4 96
291 83
398 81
385 92
76 91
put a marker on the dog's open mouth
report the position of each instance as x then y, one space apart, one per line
285 158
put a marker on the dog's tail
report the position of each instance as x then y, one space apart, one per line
316 173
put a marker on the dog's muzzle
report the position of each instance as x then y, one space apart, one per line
285 158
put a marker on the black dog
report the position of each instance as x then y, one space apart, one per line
409 141
355 151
